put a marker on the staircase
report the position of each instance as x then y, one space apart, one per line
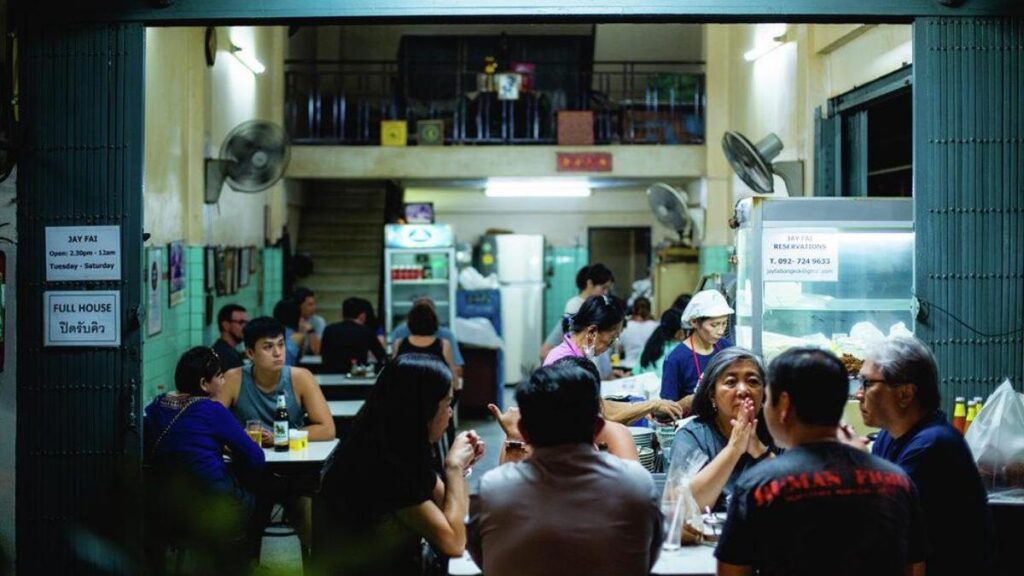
342 229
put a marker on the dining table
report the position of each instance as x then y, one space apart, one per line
345 387
304 470
686 560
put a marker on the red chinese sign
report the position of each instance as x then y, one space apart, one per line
584 161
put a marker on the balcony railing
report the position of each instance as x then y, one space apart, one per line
343 102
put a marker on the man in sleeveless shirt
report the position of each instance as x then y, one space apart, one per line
250 392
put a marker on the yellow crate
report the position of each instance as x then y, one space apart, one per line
393 133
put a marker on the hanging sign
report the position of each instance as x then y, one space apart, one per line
801 256
82 318
76 253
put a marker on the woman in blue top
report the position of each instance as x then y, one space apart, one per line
707 315
186 436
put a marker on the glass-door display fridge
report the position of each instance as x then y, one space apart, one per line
829 272
419 261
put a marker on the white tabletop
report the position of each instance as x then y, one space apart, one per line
647 384
316 452
344 380
687 560
344 408
311 359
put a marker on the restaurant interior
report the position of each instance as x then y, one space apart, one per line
483 163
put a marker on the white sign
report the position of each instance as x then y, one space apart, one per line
83 253
801 256
82 318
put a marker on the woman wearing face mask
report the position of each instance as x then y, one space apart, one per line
589 333
707 317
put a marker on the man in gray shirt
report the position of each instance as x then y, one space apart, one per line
568 508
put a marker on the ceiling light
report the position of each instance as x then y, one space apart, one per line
537 188
248 60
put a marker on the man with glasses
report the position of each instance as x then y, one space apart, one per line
231 319
899 393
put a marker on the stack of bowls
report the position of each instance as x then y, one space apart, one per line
643 437
665 434
647 458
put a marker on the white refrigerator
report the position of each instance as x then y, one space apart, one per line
519 259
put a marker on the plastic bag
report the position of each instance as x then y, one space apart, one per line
996 439
477 332
677 502
471 279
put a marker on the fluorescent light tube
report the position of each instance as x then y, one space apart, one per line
248 60
537 188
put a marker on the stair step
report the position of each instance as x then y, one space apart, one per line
343 216
368 202
340 246
340 282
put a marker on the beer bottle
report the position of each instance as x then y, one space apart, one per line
977 404
281 425
972 411
960 414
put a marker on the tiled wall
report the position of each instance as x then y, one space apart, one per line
714 259
184 325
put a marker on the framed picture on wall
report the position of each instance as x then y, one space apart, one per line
210 268
221 272
176 273
230 270
252 259
245 257
154 301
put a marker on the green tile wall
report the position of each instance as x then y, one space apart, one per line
714 259
184 325
563 262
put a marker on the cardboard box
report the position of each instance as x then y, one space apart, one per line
393 133
575 128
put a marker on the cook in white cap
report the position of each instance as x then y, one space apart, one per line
707 315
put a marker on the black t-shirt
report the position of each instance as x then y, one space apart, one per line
937 459
366 486
229 355
347 341
824 508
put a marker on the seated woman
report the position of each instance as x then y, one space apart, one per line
423 339
383 494
186 434
662 342
726 427
590 332
637 332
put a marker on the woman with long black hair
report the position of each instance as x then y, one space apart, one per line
663 340
384 493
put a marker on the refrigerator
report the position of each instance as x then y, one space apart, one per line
419 260
519 265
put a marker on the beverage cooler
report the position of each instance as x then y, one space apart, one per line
419 260
829 272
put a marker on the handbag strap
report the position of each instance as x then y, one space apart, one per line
171 424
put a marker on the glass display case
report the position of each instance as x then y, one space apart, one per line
829 272
419 261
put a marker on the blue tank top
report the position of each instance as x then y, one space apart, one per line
254 404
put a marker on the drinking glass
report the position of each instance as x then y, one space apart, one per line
254 428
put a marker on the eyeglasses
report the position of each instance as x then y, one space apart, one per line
866 383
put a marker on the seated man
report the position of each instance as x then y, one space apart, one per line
311 324
251 393
822 507
568 509
231 319
350 342
444 333
900 393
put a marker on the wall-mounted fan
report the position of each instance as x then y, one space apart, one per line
673 208
753 164
253 157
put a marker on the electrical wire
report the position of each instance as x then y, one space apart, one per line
968 326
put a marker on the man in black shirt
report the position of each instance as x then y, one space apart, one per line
350 341
231 319
822 507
